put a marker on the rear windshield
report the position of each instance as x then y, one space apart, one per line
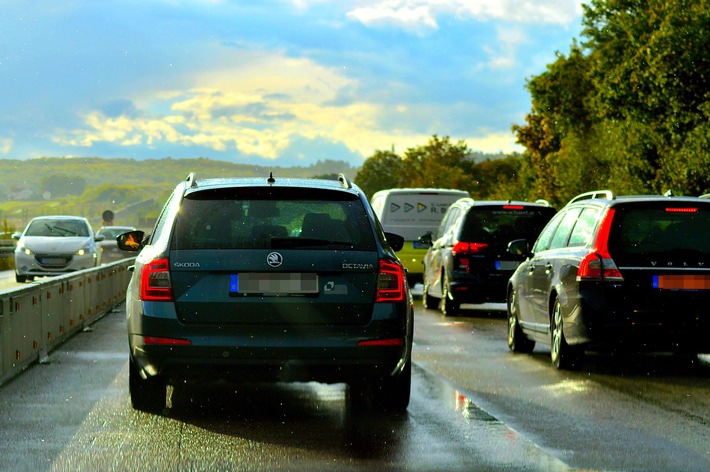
504 224
661 230
272 219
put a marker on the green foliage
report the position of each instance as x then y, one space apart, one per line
628 110
62 185
382 170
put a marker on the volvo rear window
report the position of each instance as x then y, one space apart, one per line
272 219
505 223
663 229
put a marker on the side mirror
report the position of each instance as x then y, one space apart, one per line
519 247
131 241
16 235
99 237
425 240
395 241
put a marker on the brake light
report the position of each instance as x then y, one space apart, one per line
467 248
382 342
598 264
155 281
462 250
513 207
165 341
681 210
390 282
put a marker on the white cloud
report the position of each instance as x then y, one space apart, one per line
420 15
258 104
6 145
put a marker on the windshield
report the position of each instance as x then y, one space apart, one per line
57 228
253 221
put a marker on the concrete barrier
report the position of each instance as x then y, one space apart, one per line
38 317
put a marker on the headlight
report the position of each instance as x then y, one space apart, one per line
83 251
25 249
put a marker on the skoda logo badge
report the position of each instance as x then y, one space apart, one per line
274 259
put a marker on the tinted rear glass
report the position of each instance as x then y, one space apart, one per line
501 224
272 218
664 229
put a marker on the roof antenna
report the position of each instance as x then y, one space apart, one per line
271 179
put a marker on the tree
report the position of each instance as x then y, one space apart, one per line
382 170
439 163
58 185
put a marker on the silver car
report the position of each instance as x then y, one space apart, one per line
108 248
54 245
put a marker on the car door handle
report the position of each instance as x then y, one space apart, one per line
548 268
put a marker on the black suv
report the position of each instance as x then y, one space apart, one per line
468 259
268 280
610 272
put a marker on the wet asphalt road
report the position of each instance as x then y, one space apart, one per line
475 406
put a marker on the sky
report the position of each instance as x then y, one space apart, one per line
270 82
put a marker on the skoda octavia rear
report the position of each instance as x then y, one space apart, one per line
268 280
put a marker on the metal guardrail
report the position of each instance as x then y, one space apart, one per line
35 319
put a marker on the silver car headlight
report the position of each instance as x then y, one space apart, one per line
25 249
83 251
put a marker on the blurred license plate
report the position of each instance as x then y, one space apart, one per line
53 261
682 282
507 265
273 282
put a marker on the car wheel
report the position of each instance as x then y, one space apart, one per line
392 394
517 342
146 394
430 303
449 306
563 355
20 279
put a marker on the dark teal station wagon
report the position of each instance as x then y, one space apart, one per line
268 280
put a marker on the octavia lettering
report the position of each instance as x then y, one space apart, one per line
352 265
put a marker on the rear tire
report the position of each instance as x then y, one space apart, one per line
430 303
517 342
449 306
392 394
564 356
20 279
146 394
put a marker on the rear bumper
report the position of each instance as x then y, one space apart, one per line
470 289
279 352
618 322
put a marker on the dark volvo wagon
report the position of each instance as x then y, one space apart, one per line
615 273
268 280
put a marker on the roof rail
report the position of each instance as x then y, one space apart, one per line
344 181
705 195
669 193
192 179
608 194
542 201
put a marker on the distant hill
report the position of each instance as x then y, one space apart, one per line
134 189
99 171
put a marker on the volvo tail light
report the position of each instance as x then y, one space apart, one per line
155 281
598 264
390 282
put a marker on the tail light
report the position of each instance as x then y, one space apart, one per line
598 264
462 250
155 282
390 282
153 340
